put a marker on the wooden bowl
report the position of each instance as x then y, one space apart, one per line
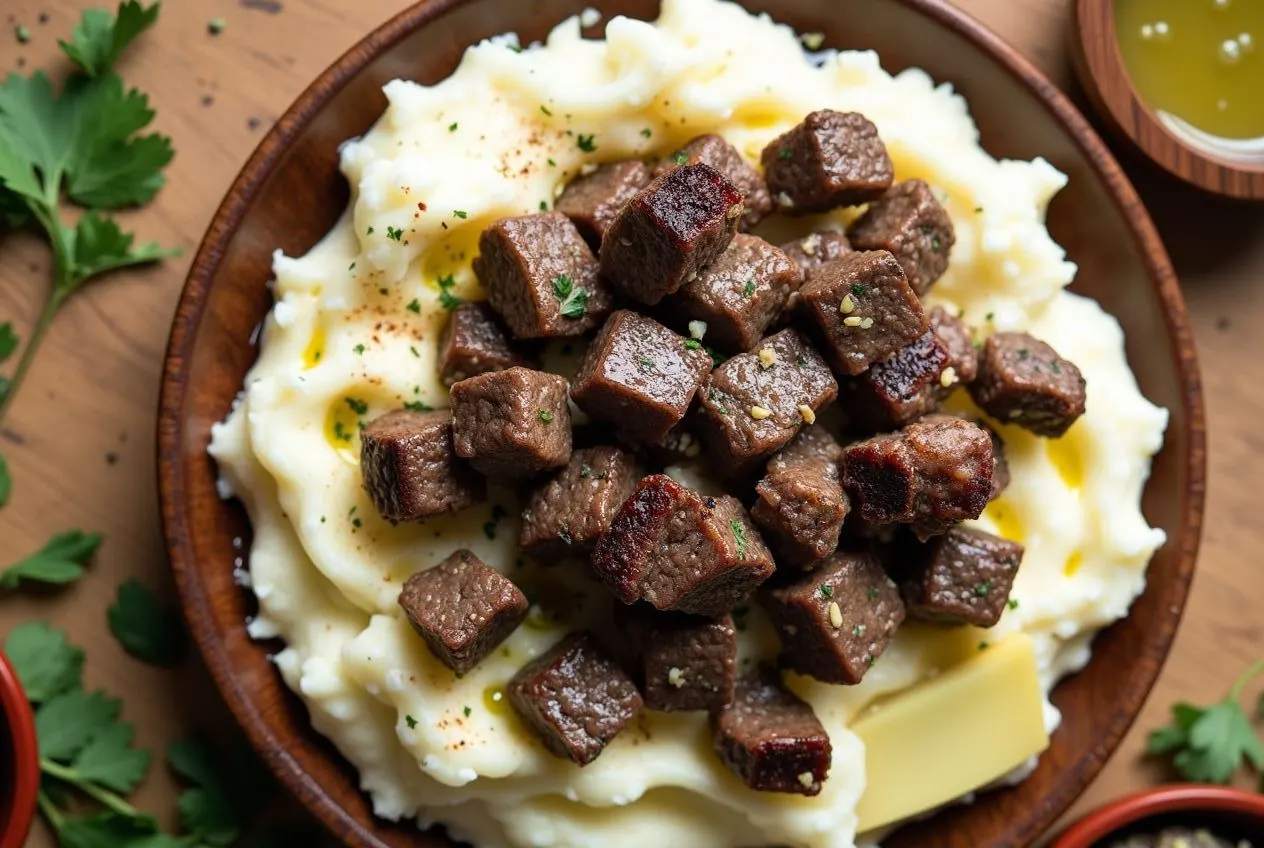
1099 64
1230 813
290 193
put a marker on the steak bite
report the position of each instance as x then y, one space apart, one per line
958 341
593 201
801 504
835 621
901 389
908 222
681 551
475 342
831 159
964 577
861 309
1024 381
411 469
574 698
770 738
726 159
686 662
512 424
932 474
738 295
639 376
463 609
541 276
753 404
565 516
669 231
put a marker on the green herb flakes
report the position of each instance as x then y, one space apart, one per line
587 143
826 590
784 153
394 233
452 127
647 132
545 110
748 290
693 344
411 722
358 406
466 710
983 589
418 406
739 537
859 289
680 157
460 213
545 416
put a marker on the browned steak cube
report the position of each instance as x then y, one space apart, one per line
958 340
770 738
932 474
681 551
964 577
565 516
688 662
801 504
754 403
1024 381
411 469
512 424
726 159
861 309
574 698
908 222
593 201
901 389
813 251
835 621
463 609
737 296
475 342
671 229
541 276
640 376
831 159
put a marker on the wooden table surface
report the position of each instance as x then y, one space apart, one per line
79 439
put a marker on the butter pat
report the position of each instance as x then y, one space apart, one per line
948 736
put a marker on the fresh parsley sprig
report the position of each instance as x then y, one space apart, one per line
1209 744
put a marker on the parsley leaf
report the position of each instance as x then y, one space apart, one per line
562 285
1209 744
112 830
587 143
98 245
44 661
6 481
99 39
68 722
111 761
8 341
147 630
60 561
448 300
576 305
222 796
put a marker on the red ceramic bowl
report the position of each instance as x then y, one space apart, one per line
1230 813
19 760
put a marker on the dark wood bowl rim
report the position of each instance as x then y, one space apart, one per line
244 190
1097 58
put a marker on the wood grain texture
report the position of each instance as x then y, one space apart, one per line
95 385
1099 65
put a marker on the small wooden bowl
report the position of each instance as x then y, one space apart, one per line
290 193
1229 813
1095 52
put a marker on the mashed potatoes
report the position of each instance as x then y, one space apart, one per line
353 334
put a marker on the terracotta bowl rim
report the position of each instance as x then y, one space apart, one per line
1148 803
262 163
24 766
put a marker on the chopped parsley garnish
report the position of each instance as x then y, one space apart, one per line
749 289
935 244
585 471
715 398
983 589
827 591
357 523
452 127
369 231
859 289
460 213
410 721
351 267
990 316
574 300
544 206
693 344
340 432
545 415
1023 353
447 299
545 110
413 349
739 536
358 406
418 406
360 349
680 157
1055 367
645 362
414 305
869 660
1013 603
784 153
552 164
467 711
983 646
587 143
873 594
647 132
978 210
394 233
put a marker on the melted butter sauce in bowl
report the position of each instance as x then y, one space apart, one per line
1200 65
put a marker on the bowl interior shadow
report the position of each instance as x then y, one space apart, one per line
291 193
